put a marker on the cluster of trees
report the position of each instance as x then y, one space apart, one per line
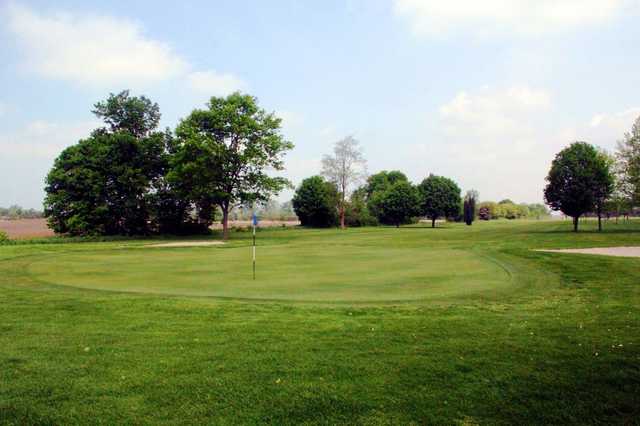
131 178
387 197
17 212
507 209
586 180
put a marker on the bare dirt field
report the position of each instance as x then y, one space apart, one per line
603 251
25 228
34 228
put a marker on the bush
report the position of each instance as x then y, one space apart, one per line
3 237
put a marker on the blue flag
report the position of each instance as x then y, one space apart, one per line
255 220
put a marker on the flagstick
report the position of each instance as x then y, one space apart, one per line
254 249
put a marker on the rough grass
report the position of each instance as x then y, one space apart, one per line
560 344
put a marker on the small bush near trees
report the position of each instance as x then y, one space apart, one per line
315 203
3 237
484 213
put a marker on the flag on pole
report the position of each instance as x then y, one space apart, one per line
254 219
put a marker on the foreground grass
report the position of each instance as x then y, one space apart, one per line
560 344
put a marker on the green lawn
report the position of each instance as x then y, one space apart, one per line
456 325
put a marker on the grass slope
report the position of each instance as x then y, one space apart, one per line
557 342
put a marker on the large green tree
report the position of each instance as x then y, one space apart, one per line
579 177
628 157
315 202
439 197
102 185
223 156
397 204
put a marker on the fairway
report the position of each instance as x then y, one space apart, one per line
454 325
296 272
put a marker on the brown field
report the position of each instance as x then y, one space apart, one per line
25 228
34 228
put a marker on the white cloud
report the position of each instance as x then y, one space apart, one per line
43 139
437 18
492 113
215 84
27 157
91 50
604 127
101 51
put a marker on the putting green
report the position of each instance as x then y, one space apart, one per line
284 272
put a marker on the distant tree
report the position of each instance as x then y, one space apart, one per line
381 181
470 206
578 176
345 168
398 204
136 115
506 201
358 212
223 156
314 202
628 156
439 197
605 185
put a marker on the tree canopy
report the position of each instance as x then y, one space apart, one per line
223 155
314 202
103 184
439 197
579 175
397 204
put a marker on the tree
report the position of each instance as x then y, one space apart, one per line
223 154
103 184
398 204
605 183
470 206
136 115
578 176
439 197
628 157
345 168
314 202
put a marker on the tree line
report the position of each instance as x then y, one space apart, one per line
17 212
585 179
131 178
343 194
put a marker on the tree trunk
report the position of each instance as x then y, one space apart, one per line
433 222
225 221
599 221
575 223
342 209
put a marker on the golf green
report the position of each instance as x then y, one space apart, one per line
304 272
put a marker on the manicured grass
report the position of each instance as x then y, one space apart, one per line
380 325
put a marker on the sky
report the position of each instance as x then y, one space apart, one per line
484 92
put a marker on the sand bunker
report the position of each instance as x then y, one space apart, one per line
187 244
604 251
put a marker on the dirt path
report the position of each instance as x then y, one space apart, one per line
603 251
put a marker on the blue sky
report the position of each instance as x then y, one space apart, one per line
483 92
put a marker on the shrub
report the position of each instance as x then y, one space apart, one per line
3 237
